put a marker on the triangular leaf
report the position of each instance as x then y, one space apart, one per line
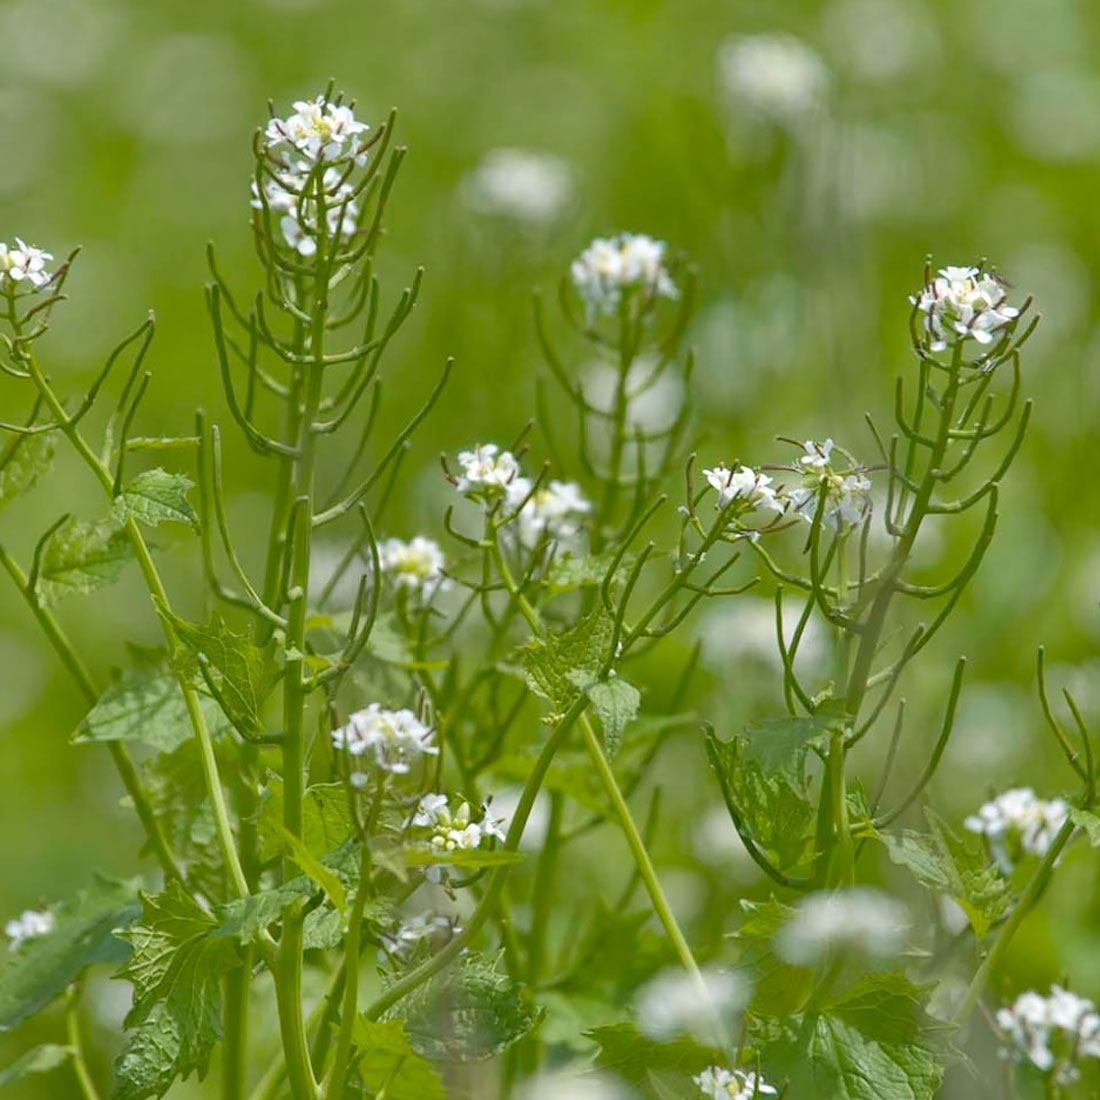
80 557
156 496
616 701
556 664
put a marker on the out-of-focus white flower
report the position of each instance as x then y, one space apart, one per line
486 469
572 1085
776 75
454 830
858 920
1052 1033
654 396
612 266
395 738
963 302
1018 822
417 564
291 197
520 184
552 509
676 1003
726 1084
753 490
23 264
734 630
29 924
847 494
402 942
316 128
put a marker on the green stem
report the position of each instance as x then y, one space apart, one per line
80 1066
542 898
235 1044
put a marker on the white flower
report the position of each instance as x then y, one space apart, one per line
454 830
963 302
417 564
847 494
777 75
520 184
1018 822
395 738
608 267
858 919
815 456
29 924
746 485
23 263
725 1084
292 198
316 128
1052 1033
401 943
551 509
486 469
675 1003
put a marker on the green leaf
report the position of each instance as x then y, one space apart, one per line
38 1060
80 557
1089 822
154 497
568 572
571 1017
25 460
468 1013
387 1060
326 819
778 988
873 1042
82 935
146 704
240 673
616 702
176 971
779 745
956 866
555 666
628 1053
316 870
244 919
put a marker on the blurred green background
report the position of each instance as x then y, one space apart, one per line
887 130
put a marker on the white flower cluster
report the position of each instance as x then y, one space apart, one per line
732 1084
520 184
612 266
674 1003
777 75
416 565
963 302
452 831
401 943
1018 822
859 919
847 494
395 738
1052 1033
29 924
291 197
493 475
316 128
23 264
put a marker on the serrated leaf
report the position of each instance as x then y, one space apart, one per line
554 666
176 970
244 919
146 704
387 1060
241 674
628 1053
468 1013
1089 822
154 497
779 745
80 557
326 819
24 461
82 935
616 701
37 1060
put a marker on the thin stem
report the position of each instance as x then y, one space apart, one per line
80 1066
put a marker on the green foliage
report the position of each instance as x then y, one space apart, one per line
176 969
468 1013
82 935
79 557
1087 821
239 673
569 572
777 987
386 1060
24 460
956 866
154 497
558 667
616 702
244 919
145 704
874 1041
37 1060
629 1054
326 819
